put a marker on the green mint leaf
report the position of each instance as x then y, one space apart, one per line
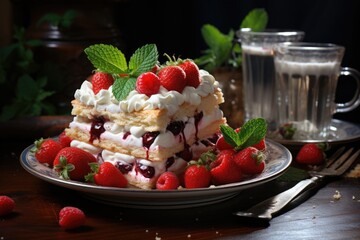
143 60
230 135
123 86
220 44
256 19
252 132
107 58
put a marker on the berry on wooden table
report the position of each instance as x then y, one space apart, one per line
71 218
7 205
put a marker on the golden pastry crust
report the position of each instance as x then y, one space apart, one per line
150 120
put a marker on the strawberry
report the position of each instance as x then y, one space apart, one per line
260 145
71 218
155 69
172 78
192 73
101 80
148 83
250 160
64 139
221 143
73 163
7 205
311 153
167 181
45 150
197 176
106 174
224 170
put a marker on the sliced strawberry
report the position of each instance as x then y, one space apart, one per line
148 83
172 78
101 80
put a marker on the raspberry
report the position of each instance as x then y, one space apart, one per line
7 205
148 83
71 217
167 181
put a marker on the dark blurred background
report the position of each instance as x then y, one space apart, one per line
174 26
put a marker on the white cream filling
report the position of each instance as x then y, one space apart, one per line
165 139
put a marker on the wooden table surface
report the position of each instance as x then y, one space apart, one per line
38 204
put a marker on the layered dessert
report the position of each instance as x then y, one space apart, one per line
145 135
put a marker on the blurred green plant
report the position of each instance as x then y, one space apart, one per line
28 84
22 88
224 49
57 20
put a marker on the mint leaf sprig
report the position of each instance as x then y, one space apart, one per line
252 132
109 59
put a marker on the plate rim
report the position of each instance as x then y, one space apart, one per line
92 189
338 122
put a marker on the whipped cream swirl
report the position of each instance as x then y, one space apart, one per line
170 100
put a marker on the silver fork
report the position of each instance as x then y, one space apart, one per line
335 166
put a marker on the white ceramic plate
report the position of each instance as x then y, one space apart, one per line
278 160
342 132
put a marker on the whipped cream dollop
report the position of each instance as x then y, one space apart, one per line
169 100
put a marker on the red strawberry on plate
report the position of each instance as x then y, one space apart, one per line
224 170
192 73
45 150
311 153
148 83
106 174
172 78
73 163
250 160
221 143
64 139
197 176
260 145
101 80
71 218
167 181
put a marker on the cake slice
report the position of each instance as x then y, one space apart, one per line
145 135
